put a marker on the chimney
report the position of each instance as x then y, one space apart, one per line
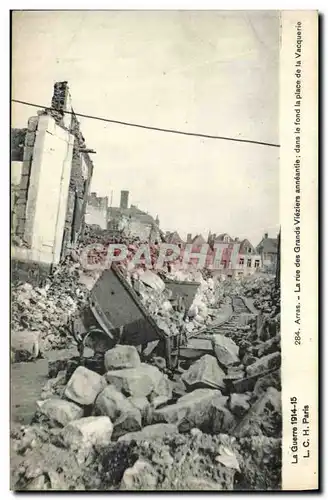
124 199
189 238
265 235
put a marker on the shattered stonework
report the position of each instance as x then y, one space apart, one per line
211 420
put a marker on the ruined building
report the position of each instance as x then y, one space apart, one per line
132 221
51 175
96 211
268 250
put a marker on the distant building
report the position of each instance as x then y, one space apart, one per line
198 241
173 238
247 263
96 211
222 238
268 250
132 221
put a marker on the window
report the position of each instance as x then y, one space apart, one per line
249 262
241 261
249 250
257 263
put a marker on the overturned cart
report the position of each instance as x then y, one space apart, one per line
116 311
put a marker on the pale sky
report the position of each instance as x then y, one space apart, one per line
212 72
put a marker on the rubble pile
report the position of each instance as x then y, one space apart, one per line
124 420
170 314
265 294
46 310
136 428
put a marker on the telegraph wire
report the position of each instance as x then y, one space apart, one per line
148 127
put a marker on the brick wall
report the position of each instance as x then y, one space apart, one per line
22 191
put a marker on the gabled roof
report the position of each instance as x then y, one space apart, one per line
268 245
198 239
220 237
245 243
174 237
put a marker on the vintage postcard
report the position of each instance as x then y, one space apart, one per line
164 207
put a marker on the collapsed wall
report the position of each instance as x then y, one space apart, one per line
48 210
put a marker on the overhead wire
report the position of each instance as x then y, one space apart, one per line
148 127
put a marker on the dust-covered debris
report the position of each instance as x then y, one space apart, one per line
122 421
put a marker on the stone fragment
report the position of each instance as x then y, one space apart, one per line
131 381
111 403
263 364
125 416
56 481
145 380
141 403
197 483
84 386
196 348
272 379
248 359
151 432
82 435
222 420
204 373
227 458
270 346
59 411
225 350
239 404
264 417
54 387
191 410
25 345
37 484
120 357
179 389
129 421
142 476
159 362
152 280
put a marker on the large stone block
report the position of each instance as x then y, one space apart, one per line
191 410
264 417
59 411
204 373
141 403
264 364
225 350
145 380
239 404
110 402
85 434
121 357
221 419
84 386
130 381
142 476
151 432
125 416
129 421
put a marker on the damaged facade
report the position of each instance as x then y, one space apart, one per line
133 222
52 170
96 211
268 250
